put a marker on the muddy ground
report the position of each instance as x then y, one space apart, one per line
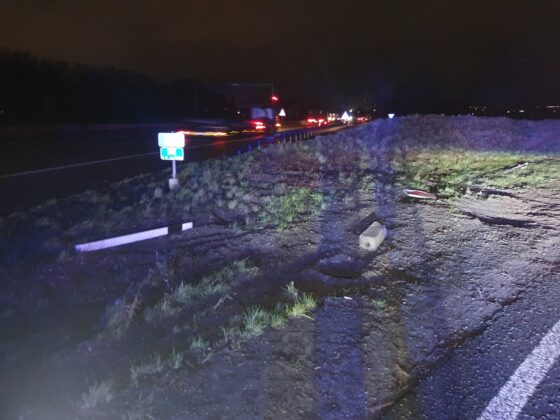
105 335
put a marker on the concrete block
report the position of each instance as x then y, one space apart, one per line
373 236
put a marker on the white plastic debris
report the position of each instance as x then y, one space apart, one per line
420 194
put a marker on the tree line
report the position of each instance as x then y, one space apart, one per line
38 91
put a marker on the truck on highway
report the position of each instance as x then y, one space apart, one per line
229 110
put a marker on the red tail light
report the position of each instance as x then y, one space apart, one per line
259 125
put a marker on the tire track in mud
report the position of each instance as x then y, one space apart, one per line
339 388
421 340
339 382
402 365
318 371
384 199
342 376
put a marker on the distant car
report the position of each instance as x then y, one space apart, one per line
316 119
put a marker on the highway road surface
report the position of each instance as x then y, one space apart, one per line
510 371
71 160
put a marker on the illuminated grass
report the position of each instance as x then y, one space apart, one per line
255 320
537 173
283 210
120 316
299 304
216 283
201 348
163 309
198 343
278 317
453 173
291 292
98 393
176 359
380 303
302 307
155 365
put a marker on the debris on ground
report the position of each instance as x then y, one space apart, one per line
420 194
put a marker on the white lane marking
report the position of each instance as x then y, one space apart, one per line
76 165
95 162
520 387
128 239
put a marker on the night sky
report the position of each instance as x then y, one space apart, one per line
319 50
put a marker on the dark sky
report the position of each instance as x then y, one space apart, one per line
319 49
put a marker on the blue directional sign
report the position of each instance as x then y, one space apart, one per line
172 153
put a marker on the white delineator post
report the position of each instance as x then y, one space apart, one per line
132 238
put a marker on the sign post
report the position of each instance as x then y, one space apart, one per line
172 148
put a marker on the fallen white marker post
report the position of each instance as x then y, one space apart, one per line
516 392
131 238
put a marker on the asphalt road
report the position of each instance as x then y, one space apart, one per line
75 160
463 386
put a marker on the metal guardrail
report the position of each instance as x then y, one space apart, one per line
303 133
289 136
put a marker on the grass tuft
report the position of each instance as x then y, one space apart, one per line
291 292
199 344
120 316
277 317
255 320
101 392
176 359
216 283
380 303
155 365
285 209
302 307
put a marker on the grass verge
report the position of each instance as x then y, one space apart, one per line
454 172
256 319
219 282
283 210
